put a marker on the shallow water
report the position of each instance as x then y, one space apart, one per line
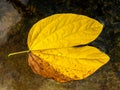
15 23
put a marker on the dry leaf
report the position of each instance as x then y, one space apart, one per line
50 40
52 54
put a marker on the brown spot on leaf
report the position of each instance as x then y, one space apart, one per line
43 68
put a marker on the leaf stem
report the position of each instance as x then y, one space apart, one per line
18 53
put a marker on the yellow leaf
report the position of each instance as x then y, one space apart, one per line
63 30
51 51
75 63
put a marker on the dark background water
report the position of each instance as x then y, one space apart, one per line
18 16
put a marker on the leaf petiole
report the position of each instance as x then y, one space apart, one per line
27 51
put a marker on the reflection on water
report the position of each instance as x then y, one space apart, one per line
15 74
8 17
